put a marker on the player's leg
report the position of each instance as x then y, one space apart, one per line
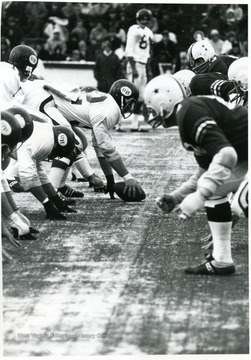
219 217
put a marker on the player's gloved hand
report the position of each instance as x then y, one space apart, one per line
52 212
96 182
166 203
192 203
132 187
27 221
109 186
18 226
61 204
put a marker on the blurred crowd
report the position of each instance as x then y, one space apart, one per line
78 31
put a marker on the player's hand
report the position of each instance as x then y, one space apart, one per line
6 255
7 235
166 203
192 203
132 187
96 182
18 226
135 74
52 212
61 205
109 186
27 221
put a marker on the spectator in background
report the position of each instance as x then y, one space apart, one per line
165 51
124 21
228 43
97 34
12 31
80 31
236 49
82 46
75 56
107 68
36 14
5 49
216 41
56 46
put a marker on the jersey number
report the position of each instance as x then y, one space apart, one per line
143 42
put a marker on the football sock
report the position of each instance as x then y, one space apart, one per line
57 172
220 223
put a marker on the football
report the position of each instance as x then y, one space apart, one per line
119 187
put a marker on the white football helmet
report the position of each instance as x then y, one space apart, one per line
238 73
161 95
184 77
200 54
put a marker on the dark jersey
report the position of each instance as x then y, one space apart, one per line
207 124
213 83
221 63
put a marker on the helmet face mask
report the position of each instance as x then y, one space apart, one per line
238 74
126 95
25 59
161 96
200 54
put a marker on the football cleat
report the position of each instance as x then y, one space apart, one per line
66 200
69 192
207 268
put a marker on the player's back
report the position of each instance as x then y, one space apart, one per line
89 109
203 111
221 63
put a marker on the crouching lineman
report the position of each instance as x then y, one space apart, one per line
217 134
97 111
11 134
45 141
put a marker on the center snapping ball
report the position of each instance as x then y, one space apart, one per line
119 188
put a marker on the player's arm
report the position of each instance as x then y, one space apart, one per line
209 137
103 145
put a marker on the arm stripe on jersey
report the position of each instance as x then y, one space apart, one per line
216 87
202 128
42 105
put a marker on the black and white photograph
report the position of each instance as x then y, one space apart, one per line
124 182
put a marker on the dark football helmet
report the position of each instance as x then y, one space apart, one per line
64 141
25 59
143 16
26 124
10 130
126 95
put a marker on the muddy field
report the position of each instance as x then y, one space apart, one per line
110 280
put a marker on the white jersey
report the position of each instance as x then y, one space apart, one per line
138 43
9 84
96 110
31 154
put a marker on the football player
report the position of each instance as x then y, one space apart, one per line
138 53
42 141
11 134
202 58
99 112
216 132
